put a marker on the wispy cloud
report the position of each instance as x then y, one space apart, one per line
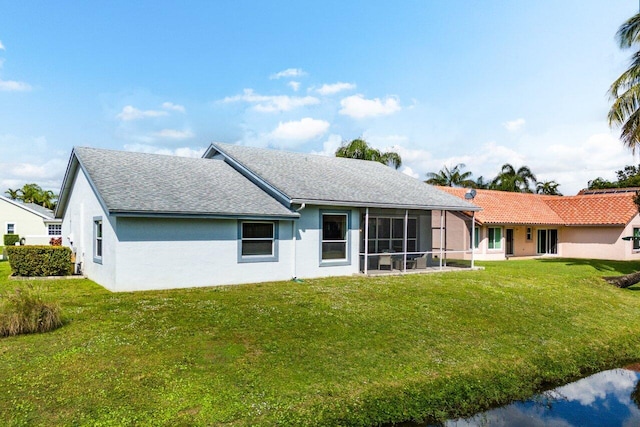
294 85
269 104
173 107
300 130
14 86
357 106
288 73
181 151
174 134
514 125
1 45
129 113
330 89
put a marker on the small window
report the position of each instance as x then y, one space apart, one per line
529 234
55 229
636 240
11 228
97 240
495 238
476 237
335 236
257 239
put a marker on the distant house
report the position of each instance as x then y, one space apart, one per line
589 225
35 224
241 215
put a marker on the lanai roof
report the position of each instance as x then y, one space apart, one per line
324 180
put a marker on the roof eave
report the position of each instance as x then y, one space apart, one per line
200 215
357 204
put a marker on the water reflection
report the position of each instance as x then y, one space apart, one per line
608 398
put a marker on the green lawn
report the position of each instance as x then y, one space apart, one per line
341 351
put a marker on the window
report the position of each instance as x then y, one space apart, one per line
495 238
11 228
257 239
529 233
55 229
476 237
97 240
636 240
335 235
548 241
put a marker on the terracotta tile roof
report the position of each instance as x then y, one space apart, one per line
501 207
595 209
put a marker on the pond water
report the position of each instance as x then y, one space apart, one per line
608 398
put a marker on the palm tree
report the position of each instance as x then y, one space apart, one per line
453 177
13 194
481 183
510 179
360 149
549 188
625 90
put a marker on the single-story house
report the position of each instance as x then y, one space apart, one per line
241 215
592 224
33 223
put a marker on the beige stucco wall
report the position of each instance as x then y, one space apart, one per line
27 224
599 242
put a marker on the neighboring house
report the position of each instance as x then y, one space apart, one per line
241 215
37 225
589 225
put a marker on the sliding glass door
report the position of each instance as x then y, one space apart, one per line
547 241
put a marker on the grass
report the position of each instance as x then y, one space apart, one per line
24 311
340 351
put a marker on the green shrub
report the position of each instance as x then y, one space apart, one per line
25 312
40 260
11 239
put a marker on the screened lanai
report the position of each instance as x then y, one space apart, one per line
405 240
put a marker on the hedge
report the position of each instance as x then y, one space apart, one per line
11 239
40 260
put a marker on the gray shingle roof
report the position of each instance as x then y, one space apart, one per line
48 213
314 178
142 183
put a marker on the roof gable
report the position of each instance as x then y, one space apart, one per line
31 207
130 183
309 178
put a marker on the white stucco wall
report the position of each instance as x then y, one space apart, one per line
77 232
162 253
28 225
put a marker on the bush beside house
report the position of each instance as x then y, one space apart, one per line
39 261
11 239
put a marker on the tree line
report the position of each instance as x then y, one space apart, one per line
33 193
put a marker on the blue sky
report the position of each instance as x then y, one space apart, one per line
442 82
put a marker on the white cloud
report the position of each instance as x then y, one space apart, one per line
408 171
300 130
514 125
14 86
181 151
294 85
289 72
330 89
174 134
357 106
173 107
269 104
330 146
1 46
129 113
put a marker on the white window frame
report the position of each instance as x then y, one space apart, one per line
58 228
13 226
491 240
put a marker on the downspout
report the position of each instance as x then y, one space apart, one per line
293 236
